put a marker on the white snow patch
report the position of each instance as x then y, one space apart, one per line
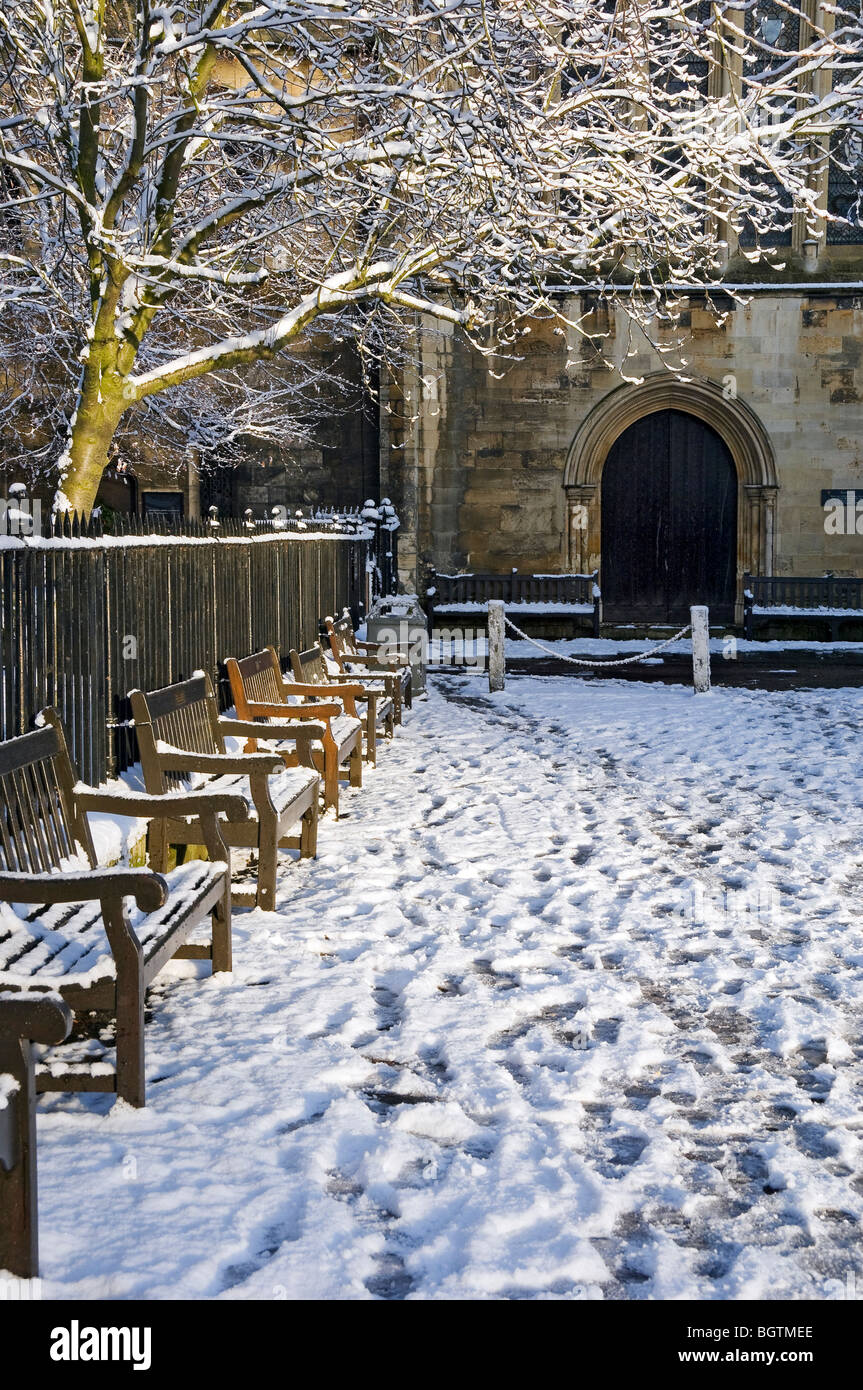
570 1005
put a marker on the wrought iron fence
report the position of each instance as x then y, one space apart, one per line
89 614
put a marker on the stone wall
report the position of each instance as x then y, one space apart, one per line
475 459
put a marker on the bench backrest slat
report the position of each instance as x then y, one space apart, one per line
310 667
512 588
260 679
804 591
343 640
184 716
40 829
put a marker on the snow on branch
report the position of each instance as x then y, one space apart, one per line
188 187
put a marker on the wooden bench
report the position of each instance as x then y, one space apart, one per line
818 602
261 693
531 600
24 1019
314 679
360 659
74 933
180 733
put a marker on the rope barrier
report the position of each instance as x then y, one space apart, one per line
619 661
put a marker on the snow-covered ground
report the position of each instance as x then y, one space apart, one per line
471 650
569 1006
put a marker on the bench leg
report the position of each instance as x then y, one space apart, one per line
356 765
390 724
221 919
19 1230
267 856
409 691
371 737
131 1081
320 762
331 780
309 832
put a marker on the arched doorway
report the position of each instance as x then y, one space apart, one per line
718 407
669 521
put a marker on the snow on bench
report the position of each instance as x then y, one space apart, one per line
517 607
801 598
531 595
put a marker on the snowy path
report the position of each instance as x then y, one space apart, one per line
507 1037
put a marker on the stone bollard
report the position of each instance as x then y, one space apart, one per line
496 658
700 649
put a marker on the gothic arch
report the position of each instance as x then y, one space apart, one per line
735 423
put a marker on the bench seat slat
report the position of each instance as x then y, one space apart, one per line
385 705
347 727
68 941
284 786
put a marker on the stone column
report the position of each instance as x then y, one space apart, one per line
756 544
769 494
582 524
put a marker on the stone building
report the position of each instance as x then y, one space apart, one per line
670 472
672 475
592 453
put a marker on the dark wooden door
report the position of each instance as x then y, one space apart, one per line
669 522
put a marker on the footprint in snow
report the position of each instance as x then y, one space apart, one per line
265 1248
391 1281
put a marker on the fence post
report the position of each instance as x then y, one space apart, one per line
496 658
700 649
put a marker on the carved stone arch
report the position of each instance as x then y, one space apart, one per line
735 422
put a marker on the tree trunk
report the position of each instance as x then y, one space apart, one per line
98 415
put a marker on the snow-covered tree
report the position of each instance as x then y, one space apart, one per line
186 188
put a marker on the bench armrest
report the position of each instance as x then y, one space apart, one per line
373 649
259 709
303 729
150 805
340 691
368 683
370 675
320 710
175 760
42 1018
364 671
147 888
377 669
